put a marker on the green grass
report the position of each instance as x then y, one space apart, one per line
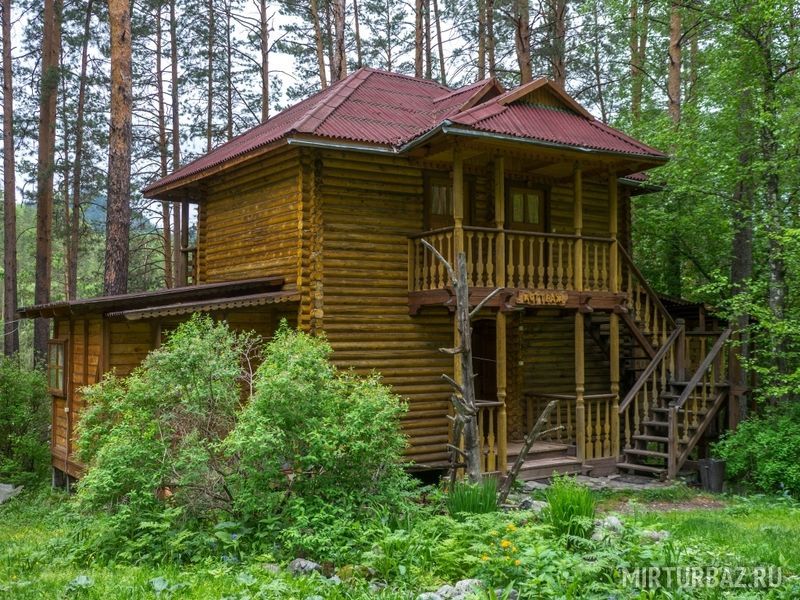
761 531
35 564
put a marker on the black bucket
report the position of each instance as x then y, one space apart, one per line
712 474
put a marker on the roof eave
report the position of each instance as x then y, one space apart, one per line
646 158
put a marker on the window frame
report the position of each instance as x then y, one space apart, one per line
544 202
433 222
62 344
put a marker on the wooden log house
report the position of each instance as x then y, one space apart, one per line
317 216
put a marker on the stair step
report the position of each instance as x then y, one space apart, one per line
655 423
643 468
544 468
641 452
651 438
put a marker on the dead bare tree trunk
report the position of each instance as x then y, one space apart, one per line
463 396
118 208
533 435
51 49
10 328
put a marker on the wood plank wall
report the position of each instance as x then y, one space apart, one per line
369 207
248 224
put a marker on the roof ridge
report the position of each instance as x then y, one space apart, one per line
341 92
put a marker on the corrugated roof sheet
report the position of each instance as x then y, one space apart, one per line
390 110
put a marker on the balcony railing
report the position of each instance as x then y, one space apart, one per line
532 260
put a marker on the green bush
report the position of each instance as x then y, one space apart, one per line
315 443
764 451
24 421
467 498
152 441
570 509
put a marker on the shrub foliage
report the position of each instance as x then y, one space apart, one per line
181 459
764 451
24 420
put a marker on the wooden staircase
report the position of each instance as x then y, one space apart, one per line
546 458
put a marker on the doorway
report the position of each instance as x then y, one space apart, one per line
484 359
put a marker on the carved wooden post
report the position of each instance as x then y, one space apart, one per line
580 412
184 237
613 286
500 324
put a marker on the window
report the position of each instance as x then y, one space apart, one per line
441 199
56 371
527 206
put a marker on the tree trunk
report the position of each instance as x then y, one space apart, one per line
339 66
418 38
640 24
559 41
176 140
51 49
10 325
481 39
356 18
598 73
522 40
212 26
228 73
118 213
162 149
428 42
439 44
490 39
674 70
318 42
264 47
77 176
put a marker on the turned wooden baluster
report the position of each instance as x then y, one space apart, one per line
490 243
550 266
490 441
510 261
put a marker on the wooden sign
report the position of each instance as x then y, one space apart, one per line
542 298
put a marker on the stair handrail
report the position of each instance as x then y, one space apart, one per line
698 374
643 281
662 352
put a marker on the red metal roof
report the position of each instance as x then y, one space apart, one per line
390 110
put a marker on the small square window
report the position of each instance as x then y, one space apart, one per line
56 363
441 200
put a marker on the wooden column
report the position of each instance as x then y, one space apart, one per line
613 286
613 231
614 376
580 379
500 323
181 267
458 201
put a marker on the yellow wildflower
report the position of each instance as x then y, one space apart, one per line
505 544
518 562
485 557
511 527
493 533
513 548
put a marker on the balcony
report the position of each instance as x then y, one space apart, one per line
544 268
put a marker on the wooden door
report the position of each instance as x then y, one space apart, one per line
484 359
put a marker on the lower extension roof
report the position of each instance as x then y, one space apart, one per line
174 301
